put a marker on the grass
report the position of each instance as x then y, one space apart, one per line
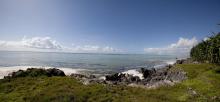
204 79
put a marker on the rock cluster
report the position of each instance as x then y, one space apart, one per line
120 78
152 78
81 76
186 61
34 72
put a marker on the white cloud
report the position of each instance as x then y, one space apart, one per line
182 47
184 43
41 43
31 44
48 44
94 49
206 38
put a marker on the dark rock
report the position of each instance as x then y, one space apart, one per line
35 72
186 61
147 73
92 76
114 77
152 77
55 72
169 66
122 78
180 61
19 73
135 79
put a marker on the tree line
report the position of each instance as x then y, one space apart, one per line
208 50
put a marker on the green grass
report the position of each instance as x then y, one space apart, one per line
203 78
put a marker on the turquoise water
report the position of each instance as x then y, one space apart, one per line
97 62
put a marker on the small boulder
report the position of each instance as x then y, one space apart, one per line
114 77
55 72
147 73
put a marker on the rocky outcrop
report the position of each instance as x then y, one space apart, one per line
152 78
35 72
186 61
81 76
120 78
147 72
164 76
55 72
182 61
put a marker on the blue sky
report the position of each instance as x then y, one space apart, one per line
130 26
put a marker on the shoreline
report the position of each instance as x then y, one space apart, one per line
148 78
54 84
5 70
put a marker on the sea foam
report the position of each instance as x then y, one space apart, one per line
134 72
171 62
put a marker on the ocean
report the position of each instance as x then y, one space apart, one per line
97 64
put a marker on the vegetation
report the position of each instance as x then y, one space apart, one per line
203 84
208 50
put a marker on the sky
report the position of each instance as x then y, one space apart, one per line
107 26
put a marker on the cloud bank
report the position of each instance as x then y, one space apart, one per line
94 48
48 44
41 43
181 47
31 44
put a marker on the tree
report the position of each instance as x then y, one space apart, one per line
208 50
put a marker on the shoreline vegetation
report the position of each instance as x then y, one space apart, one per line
145 78
195 79
207 51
